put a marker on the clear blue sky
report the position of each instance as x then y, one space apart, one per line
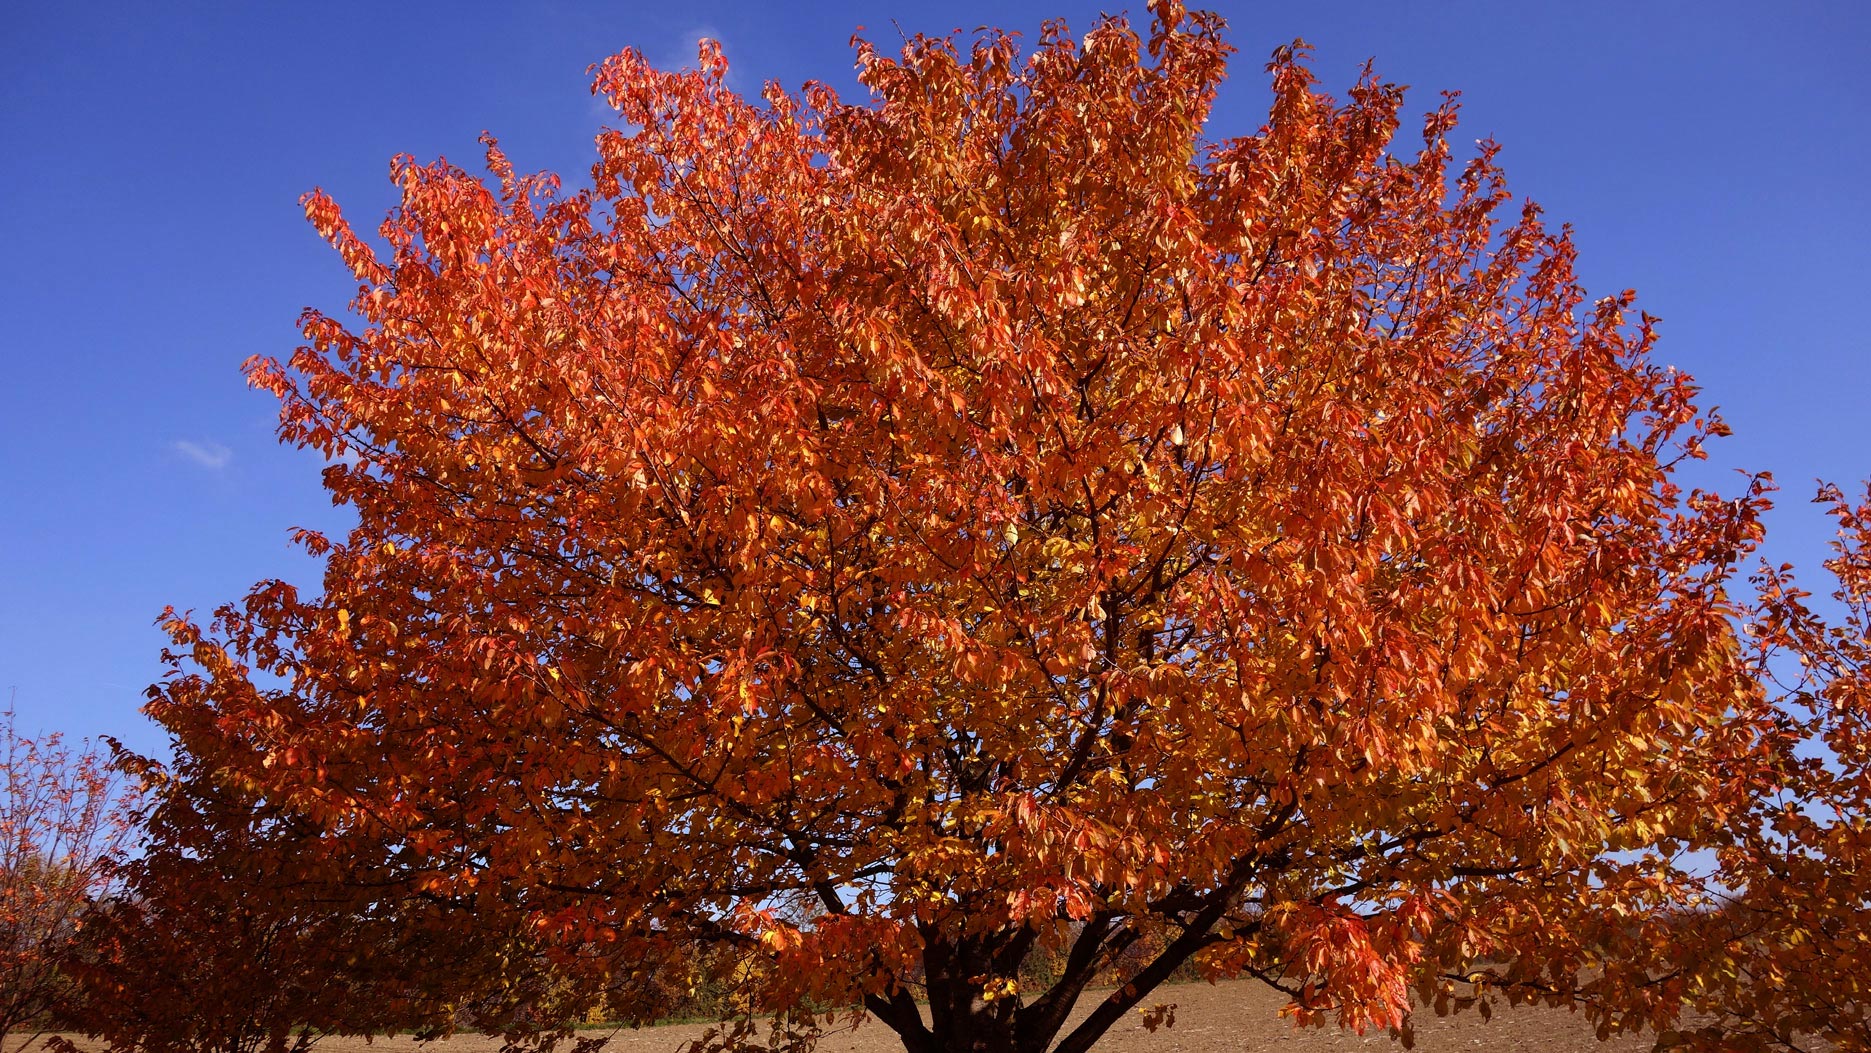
1711 155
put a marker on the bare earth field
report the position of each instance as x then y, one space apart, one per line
1233 1017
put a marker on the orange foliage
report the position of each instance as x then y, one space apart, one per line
893 541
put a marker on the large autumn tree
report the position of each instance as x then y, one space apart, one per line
856 550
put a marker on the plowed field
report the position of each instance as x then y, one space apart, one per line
1232 1017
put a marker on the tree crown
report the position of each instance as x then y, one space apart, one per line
887 542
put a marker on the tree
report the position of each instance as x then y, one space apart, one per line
1016 525
244 929
64 819
1790 954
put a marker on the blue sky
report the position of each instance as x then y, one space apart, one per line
1711 155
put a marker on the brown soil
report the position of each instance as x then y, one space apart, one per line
1235 1017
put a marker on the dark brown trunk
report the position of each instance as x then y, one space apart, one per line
961 1017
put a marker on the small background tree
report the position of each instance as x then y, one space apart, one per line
245 928
1785 954
65 820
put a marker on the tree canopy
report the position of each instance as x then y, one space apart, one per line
855 551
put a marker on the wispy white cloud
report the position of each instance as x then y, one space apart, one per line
210 455
680 51
345 456
672 52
